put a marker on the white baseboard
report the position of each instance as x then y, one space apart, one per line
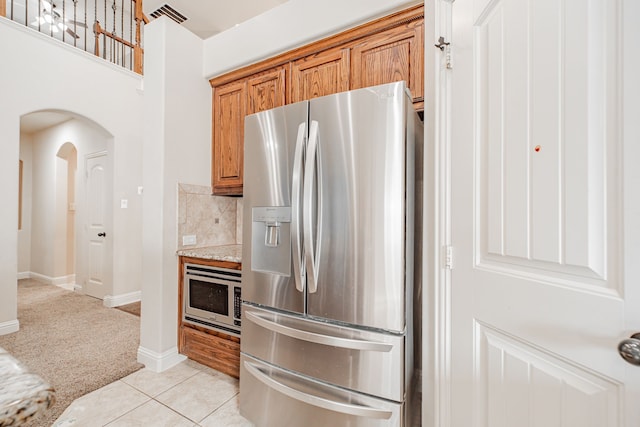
159 362
61 280
9 327
118 300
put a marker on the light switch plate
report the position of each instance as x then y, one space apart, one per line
189 240
124 203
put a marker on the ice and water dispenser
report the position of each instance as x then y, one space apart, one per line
271 239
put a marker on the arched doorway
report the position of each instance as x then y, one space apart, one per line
53 243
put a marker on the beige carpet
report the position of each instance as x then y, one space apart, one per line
72 341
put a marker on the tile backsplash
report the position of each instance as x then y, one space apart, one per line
214 220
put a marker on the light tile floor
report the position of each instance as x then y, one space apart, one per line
189 395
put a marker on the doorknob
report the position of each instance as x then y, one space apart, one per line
102 234
629 349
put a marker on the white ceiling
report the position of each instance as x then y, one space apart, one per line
35 122
208 17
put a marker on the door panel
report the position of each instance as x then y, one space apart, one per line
538 295
96 282
364 361
361 219
320 74
270 141
266 91
520 379
390 56
542 186
229 109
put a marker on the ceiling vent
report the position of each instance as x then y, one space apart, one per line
169 12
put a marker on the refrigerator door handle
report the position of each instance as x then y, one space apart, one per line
321 402
310 172
298 250
353 344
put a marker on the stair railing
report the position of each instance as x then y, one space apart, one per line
117 25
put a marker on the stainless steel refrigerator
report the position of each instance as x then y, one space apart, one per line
328 260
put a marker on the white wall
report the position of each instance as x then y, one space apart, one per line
177 146
292 24
39 73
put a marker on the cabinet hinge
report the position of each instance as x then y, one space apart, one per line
448 257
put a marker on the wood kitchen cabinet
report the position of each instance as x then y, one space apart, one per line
229 109
322 73
215 349
266 91
386 50
390 56
231 103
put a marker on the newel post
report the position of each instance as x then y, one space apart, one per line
138 52
3 8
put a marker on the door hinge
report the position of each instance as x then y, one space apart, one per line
448 257
445 47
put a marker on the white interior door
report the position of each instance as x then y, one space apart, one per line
96 282
545 213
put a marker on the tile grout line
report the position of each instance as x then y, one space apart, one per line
133 409
163 391
218 408
173 410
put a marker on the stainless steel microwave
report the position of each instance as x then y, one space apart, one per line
212 297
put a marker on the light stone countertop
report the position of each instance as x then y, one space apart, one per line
231 253
22 394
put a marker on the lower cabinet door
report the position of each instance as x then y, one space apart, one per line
273 397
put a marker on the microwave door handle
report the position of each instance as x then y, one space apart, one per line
312 169
310 399
298 250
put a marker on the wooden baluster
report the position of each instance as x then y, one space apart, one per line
97 30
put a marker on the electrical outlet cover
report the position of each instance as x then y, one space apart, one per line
189 240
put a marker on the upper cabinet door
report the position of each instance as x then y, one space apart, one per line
229 109
322 73
389 56
266 91
231 103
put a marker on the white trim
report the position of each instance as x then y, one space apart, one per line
118 300
61 280
159 362
9 327
65 280
436 390
40 278
24 275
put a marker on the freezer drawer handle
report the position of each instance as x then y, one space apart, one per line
318 338
345 408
